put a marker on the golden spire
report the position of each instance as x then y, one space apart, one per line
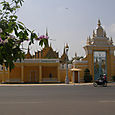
66 46
64 50
46 32
89 40
28 55
93 33
111 40
104 33
47 37
75 55
99 23
28 50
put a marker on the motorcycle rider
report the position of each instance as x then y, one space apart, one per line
104 78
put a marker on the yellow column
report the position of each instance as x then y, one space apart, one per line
58 70
40 73
8 74
3 76
22 73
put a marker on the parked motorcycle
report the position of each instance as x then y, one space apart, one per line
100 82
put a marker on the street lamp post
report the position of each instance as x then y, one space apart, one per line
67 79
100 64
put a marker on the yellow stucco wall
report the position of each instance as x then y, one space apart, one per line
49 70
90 62
32 72
63 75
15 73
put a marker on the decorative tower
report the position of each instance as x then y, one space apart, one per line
75 55
47 37
63 57
99 31
99 23
28 55
99 57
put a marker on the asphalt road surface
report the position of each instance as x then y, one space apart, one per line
57 100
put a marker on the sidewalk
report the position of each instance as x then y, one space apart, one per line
50 84
58 84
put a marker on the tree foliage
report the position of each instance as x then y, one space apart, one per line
13 33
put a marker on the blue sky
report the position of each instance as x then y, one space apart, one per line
68 21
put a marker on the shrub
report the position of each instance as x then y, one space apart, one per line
113 78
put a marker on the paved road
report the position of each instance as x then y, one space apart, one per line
57 100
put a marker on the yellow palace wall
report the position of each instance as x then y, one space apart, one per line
63 75
32 72
35 72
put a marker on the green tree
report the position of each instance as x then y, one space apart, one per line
13 33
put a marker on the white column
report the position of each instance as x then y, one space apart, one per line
73 77
78 77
